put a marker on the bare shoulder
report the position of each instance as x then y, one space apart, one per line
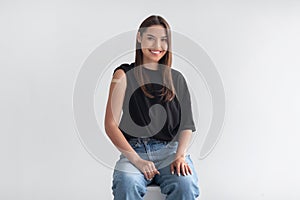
119 73
119 76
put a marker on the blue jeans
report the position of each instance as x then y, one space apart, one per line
130 184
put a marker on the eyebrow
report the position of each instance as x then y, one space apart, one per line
155 37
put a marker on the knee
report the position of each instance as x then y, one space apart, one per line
190 186
185 187
125 183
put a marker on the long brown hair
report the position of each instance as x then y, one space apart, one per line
167 92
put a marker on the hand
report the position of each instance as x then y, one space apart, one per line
147 168
181 166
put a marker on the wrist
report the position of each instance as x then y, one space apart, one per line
135 159
180 155
132 156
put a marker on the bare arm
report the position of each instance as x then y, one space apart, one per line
183 142
179 164
112 118
112 115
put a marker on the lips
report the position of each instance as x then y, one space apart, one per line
155 52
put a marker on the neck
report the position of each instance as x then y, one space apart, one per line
151 65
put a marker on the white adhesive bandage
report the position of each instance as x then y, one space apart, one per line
115 80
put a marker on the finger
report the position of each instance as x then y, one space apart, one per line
183 169
178 169
186 169
146 175
172 168
154 170
152 174
157 172
148 171
189 170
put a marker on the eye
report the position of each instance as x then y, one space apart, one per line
150 38
164 40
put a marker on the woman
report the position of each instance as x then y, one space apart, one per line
157 123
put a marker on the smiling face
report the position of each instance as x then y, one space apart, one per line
154 43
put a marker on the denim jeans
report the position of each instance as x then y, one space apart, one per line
130 184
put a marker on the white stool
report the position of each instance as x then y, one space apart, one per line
153 193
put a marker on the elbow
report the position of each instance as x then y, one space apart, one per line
109 126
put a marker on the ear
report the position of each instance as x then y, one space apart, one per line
139 38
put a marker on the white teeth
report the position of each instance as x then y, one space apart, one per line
155 52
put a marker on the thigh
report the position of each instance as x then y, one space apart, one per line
179 187
166 177
129 179
128 185
126 175
124 165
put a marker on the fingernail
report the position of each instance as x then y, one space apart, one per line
179 174
172 172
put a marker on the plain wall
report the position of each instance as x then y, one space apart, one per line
255 46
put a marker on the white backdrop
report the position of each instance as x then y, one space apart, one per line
254 44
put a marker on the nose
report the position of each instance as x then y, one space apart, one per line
157 45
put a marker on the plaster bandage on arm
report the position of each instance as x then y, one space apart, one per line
114 80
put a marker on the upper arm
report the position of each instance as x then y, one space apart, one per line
116 97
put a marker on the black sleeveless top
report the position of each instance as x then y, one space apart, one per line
152 117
